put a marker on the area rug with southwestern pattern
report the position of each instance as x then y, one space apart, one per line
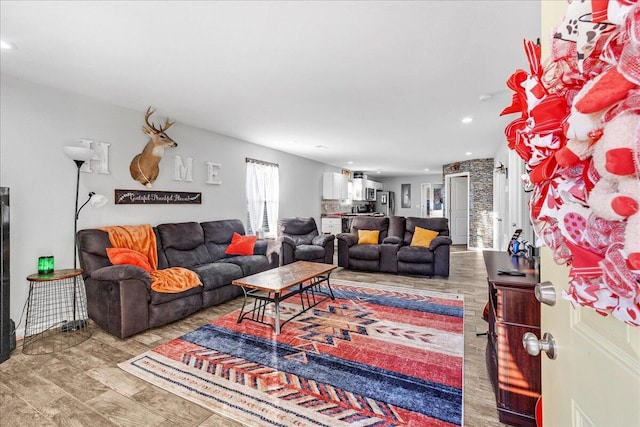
375 356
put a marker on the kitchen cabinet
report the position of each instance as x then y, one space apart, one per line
359 186
334 186
358 189
331 225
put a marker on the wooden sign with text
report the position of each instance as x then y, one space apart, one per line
146 197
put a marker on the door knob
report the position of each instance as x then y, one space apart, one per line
545 293
534 346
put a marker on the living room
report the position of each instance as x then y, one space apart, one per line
39 119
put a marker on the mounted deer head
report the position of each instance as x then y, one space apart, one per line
144 167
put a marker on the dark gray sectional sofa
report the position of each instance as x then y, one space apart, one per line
120 298
394 253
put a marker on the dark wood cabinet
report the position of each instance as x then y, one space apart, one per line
513 310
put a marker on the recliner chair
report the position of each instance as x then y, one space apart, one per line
300 241
380 256
422 261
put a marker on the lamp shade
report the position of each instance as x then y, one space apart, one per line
98 200
77 153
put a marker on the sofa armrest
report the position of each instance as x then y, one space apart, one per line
349 238
119 273
287 250
261 247
287 241
439 240
118 299
394 240
323 240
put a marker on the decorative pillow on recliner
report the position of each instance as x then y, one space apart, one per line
368 237
423 237
241 245
119 256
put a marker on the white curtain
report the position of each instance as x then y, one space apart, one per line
272 197
255 195
263 189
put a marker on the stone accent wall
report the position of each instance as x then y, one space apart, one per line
480 199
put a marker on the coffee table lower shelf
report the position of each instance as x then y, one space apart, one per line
312 291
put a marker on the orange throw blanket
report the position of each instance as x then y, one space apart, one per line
141 238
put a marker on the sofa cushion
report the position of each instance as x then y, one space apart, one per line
183 244
368 237
250 264
241 245
181 236
309 252
441 225
423 237
218 235
301 230
217 274
371 223
369 252
164 297
415 254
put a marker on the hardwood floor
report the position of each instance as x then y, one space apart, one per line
82 386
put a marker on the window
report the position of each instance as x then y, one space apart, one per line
263 197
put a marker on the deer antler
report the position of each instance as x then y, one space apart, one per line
167 123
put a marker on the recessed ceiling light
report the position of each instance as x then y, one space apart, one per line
378 171
349 162
321 147
468 153
467 120
426 169
6 45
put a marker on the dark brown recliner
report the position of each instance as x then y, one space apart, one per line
379 257
422 261
300 241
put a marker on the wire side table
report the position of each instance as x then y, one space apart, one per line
56 312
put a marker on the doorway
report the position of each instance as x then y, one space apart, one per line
432 201
426 204
457 207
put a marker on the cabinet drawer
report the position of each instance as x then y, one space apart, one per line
518 307
331 225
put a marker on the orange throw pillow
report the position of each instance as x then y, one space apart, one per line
119 256
241 245
368 237
423 237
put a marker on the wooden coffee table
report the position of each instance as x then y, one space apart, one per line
274 286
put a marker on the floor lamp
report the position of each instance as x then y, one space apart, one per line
79 155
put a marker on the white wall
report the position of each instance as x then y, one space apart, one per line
37 121
394 184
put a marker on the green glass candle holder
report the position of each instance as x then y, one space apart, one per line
43 265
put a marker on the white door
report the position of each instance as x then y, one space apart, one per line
501 223
458 209
595 379
426 201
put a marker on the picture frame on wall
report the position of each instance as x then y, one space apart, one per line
405 192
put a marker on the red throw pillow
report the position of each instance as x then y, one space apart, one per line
241 245
119 256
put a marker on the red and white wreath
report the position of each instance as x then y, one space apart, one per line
579 135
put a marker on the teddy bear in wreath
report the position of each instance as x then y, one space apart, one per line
616 196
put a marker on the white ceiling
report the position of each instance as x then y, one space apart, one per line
382 84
